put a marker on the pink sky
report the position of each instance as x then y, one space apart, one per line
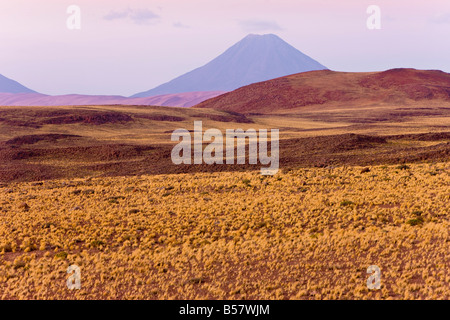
125 47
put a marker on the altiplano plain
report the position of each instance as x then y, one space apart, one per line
362 182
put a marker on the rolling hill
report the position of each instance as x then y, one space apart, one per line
319 90
183 100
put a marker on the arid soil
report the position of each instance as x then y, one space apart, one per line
53 156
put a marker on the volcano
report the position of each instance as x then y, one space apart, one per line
254 59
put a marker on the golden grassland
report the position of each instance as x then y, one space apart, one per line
301 234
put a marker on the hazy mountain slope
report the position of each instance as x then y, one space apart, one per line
11 86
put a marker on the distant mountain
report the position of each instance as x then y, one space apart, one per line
10 86
319 90
170 100
255 58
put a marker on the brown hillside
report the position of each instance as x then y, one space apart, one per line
323 89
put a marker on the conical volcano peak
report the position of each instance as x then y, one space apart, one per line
269 38
262 36
253 59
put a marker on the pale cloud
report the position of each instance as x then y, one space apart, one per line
180 25
138 16
259 25
143 16
441 18
116 15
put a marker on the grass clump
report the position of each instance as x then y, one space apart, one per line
61 255
346 203
415 222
